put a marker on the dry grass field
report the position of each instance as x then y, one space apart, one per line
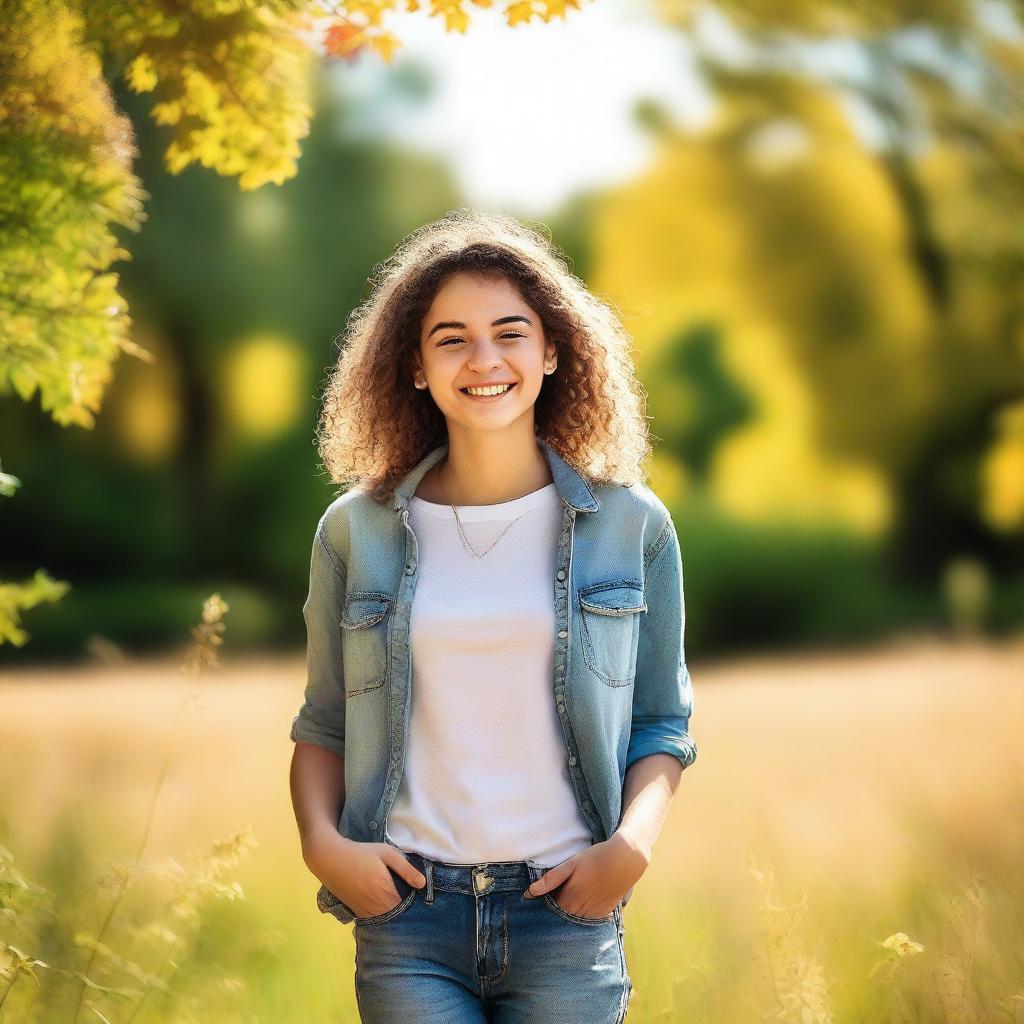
837 799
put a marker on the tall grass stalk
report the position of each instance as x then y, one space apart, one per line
20 898
202 656
799 982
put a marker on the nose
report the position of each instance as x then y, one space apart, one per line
484 356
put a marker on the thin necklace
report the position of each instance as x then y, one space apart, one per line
462 532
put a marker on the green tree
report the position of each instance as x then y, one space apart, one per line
908 334
229 78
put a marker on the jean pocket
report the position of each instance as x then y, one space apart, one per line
536 870
549 901
403 904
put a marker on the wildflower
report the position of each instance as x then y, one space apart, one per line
902 944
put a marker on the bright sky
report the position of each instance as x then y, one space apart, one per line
527 116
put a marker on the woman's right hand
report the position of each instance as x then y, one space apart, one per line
359 874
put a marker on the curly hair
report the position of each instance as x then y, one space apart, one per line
375 426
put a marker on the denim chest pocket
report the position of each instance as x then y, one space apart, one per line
609 628
365 640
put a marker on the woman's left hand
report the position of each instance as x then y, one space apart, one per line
595 879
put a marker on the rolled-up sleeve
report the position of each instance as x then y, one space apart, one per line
321 718
662 691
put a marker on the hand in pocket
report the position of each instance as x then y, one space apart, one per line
360 874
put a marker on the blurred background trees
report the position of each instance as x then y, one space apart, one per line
231 297
823 280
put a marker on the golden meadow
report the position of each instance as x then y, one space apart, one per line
847 848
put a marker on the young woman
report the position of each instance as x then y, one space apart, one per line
497 700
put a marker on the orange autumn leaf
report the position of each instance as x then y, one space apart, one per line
343 39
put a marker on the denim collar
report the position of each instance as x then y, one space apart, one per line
571 487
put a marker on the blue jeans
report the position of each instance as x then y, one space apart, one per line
470 948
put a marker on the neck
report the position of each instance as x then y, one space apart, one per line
489 468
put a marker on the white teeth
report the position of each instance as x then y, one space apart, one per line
498 389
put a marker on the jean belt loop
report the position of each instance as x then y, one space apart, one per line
428 870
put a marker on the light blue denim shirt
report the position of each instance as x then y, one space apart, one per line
621 687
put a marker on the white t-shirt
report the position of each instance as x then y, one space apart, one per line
485 776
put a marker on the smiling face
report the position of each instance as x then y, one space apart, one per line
482 353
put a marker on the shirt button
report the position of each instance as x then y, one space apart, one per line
561 574
572 760
410 569
562 634
373 825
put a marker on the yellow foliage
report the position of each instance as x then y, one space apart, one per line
545 10
455 19
668 478
359 24
231 78
371 10
18 597
772 468
146 409
264 385
166 113
141 74
800 267
1002 472
65 178
385 43
519 12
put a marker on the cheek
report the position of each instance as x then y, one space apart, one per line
440 372
532 376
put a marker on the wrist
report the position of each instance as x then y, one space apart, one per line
322 842
633 845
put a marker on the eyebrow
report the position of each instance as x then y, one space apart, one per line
458 325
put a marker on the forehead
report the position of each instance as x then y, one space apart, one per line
465 292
